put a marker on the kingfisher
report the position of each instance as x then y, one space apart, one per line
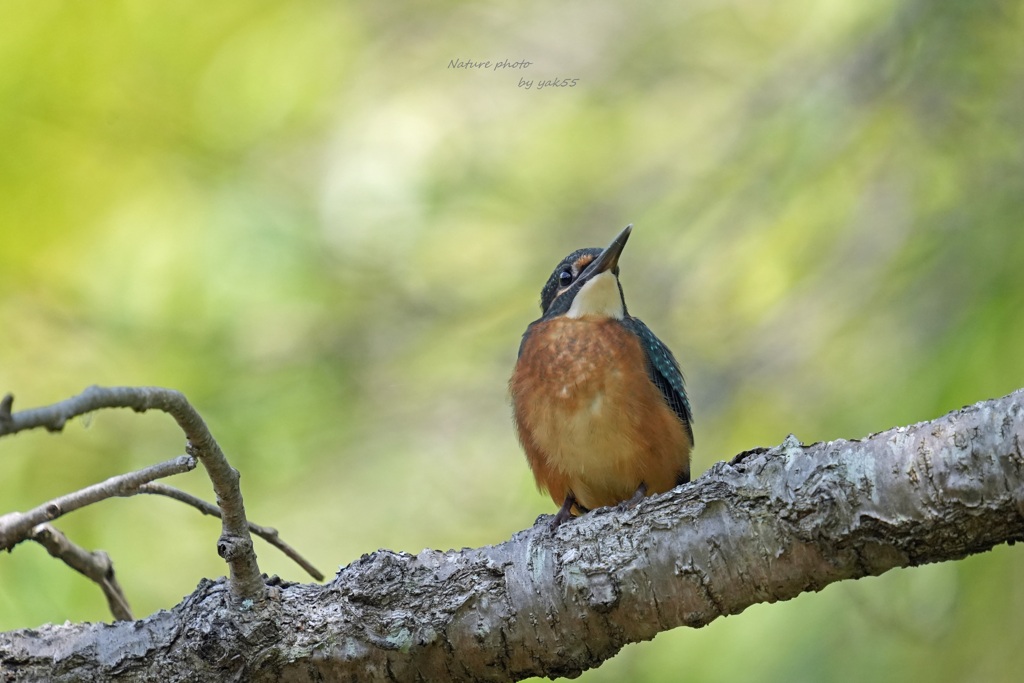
599 401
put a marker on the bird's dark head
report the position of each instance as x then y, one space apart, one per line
586 282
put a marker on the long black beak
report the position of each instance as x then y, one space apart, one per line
609 258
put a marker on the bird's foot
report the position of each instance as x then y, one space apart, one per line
564 513
632 502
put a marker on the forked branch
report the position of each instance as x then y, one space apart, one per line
235 544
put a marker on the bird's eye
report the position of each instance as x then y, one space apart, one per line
565 278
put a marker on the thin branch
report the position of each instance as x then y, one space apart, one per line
16 527
5 411
95 565
235 543
269 534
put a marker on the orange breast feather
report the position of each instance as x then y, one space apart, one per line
589 417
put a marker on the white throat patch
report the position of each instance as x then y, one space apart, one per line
599 297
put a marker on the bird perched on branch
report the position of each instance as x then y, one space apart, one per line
599 401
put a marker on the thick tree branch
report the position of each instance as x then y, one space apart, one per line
768 526
235 544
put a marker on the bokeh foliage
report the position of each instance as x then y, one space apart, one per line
295 213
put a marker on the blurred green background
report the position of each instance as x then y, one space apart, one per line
299 216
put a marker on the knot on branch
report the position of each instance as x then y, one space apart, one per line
233 547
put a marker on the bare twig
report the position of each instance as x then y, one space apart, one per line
5 411
269 534
16 527
235 543
94 565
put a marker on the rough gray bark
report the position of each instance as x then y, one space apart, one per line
768 526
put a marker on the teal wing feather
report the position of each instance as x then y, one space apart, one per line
664 371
